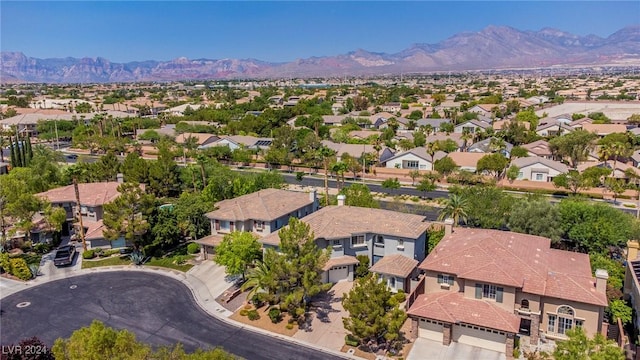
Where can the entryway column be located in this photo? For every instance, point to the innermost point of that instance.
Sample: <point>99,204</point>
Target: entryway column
<point>509,346</point>
<point>534,333</point>
<point>446,334</point>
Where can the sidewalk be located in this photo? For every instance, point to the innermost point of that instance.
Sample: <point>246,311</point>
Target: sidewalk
<point>206,281</point>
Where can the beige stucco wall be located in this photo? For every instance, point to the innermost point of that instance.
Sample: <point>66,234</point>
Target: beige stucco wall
<point>431,283</point>
<point>591,314</point>
<point>508,297</point>
<point>534,301</point>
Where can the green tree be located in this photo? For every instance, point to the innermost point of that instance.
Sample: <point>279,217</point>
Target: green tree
<point>374,313</point>
<point>488,207</point>
<point>493,163</point>
<point>165,231</point>
<point>618,309</point>
<point>163,173</point>
<point>574,145</point>
<point>135,169</point>
<point>455,208</point>
<point>261,280</point>
<point>414,174</point>
<point>299,268</point>
<point>614,268</point>
<point>512,172</point>
<point>362,269</point>
<point>391,184</point>
<point>428,182</point>
<point>190,210</point>
<point>127,216</point>
<point>325,154</point>
<point>54,216</point>
<point>535,215</point>
<point>359,195</point>
<point>579,347</point>
<point>518,152</point>
<point>237,251</point>
<point>575,181</point>
<point>419,139</point>
<point>445,166</point>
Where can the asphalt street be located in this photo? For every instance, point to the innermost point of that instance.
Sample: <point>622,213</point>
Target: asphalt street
<point>159,310</point>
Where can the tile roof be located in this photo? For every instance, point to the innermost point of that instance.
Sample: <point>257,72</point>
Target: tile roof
<point>265,205</point>
<point>210,240</point>
<point>466,159</point>
<point>539,148</point>
<point>453,307</point>
<point>396,265</point>
<point>340,261</point>
<point>518,260</point>
<point>457,137</point>
<point>422,153</point>
<point>605,129</point>
<point>91,194</point>
<point>95,230</point>
<point>339,222</point>
<point>200,138</point>
<point>533,160</point>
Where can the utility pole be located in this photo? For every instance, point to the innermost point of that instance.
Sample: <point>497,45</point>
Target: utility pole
<point>55,123</point>
<point>75,187</point>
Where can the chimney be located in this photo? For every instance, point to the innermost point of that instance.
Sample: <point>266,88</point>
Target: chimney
<point>120,178</point>
<point>313,197</point>
<point>448,226</point>
<point>632,250</point>
<point>601,280</point>
<point>341,200</point>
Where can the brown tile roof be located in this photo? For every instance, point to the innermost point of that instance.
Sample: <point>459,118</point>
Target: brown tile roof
<point>466,159</point>
<point>91,194</point>
<point>265,205</point>
<point>95,229</point>
<point>605,129</point>
<point>339,222</point>
<point>396,265</point>
<point>518,260</point>
<point>200,138</point>
<point>453,307</point>
<point>539,148</point>
<point>340,261</point>
<point>210,240</point>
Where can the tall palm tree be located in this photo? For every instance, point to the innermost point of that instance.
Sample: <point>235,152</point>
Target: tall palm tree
<point>456,209</point>
<point>326,154</point>
<point>260,280</point>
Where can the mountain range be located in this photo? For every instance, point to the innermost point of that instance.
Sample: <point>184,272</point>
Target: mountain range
<point>495,47</point>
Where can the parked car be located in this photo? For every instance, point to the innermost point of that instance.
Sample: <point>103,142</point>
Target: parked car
<point>64,255</point>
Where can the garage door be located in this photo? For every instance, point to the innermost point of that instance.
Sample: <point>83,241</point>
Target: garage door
<point>430,329</point>
<point>338,273</point>
<point>480,337</point>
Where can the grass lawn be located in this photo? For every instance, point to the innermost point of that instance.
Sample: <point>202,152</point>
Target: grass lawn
<point>169,262</point>
<point>112,261</point>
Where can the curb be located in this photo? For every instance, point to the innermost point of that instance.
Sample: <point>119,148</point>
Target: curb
<point>188,280</point>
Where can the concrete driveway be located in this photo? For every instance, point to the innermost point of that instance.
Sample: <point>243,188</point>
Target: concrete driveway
<point>326,328</point>
<point>434,350</point>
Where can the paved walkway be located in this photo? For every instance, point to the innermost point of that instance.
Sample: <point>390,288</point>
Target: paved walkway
<point>206,281</point>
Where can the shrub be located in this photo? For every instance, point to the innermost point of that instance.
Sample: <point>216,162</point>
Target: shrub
<point>111,252</point>
<point>35,269</point>
<point>400,296</point>
<point>26,246</point>
<point>351,340</point>
<point>289,326</point>
<point>5,264</point>
<point>41,248</point>
<point>275,315</point>
<point>244,312</point>
<point>20,269</point>
<point>248,307</point>
<point>99,252</point>
<point>180,259</point>
<point>193,248</point>
<point>253,315</point>
<point>89,254</point>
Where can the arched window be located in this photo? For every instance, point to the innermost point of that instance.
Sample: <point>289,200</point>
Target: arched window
<point>566,310</point>
<point>563,320</point>
<point>524,304</point>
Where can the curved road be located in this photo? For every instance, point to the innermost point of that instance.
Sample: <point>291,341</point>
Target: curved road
<point>158,309</point>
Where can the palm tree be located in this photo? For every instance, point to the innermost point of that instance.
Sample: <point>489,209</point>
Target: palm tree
<point>466,136</point>
<point>260,280</point>
<point>325,154</point>
<point>339,168</point>
<point>456,209</point>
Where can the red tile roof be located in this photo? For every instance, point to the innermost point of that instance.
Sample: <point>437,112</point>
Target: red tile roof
<point>453,307</point>
<point>396,265</point>
<point>340,261</point>
<point>91,194</point>
<point>518,260</point>
<point>266,204</point>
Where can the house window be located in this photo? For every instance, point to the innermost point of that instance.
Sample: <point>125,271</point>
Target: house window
<point>412,164</point>
<point>444,279</point>
<point>520,175</point>
<point>336,244</point>
<point>563,320</point>
<point>357,240</point>
<point>259,225</point>
<point>378,241</point>
<point>400,244</point>
<point>489,291</point>
<point>538,177</point>
<point>392,282</point>
<point>524,304</point>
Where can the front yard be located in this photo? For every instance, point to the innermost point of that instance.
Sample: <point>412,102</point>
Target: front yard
<point>178,262</point>
<point>264,322</point>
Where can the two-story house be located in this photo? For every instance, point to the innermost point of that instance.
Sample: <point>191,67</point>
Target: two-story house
<point>485,287</point>
<point>93,196</point>
<point>261,213</point>
<point>394,242</point>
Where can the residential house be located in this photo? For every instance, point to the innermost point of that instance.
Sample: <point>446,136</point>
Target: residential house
<point>434,123</point>
<point>333,120</point>
<point>392,107</point>
<point>535,168</point>
<point>635,158</point>
<point>93,196</point>
<point>180,109</point>
<point>632,274</point>
<point>380,118</point>
<point>414,159</point>
<point>484,287</point>
<point>486,146</point>
<point>539,148</point>
<point>351,231</point>
<point>261,213</point>
<point>200,139</point>
<point>166,130</point>
<point>357,150</point>
<point>483,109</point>
<point>471,126</point>
<point>578,123</point>
<point>466,161</point>
<point>363,134</point>
<point>618,172</point>
<point>538,100</point>
<point>240,141</point>
<point>603,130</point>
<point>503,124</point>
<point>553,128</point>
<point>456,137</point>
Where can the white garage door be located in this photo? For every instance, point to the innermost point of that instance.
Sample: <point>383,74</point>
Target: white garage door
<point>338,273</point>
<point>480,337</point>
<point>430,329</point>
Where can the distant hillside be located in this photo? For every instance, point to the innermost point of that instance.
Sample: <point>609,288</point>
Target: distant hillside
<point>495,47</point>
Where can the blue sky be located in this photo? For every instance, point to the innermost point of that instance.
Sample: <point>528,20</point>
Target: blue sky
<point>278,31</point>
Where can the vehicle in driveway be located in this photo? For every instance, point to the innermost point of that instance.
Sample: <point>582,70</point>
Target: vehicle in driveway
<point>64,255</point>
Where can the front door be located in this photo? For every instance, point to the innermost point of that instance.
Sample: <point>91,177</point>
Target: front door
<point>525,326</point>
